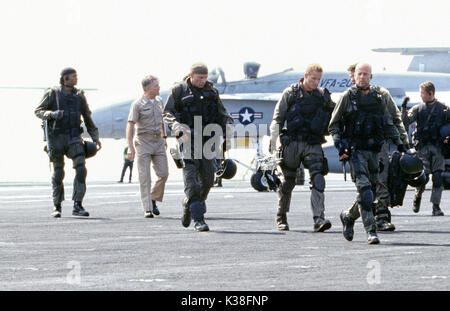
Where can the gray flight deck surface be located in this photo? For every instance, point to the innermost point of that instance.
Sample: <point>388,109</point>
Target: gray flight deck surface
<point>118,249</point>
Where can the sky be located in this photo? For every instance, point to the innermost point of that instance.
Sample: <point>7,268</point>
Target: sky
<point>113,44</point>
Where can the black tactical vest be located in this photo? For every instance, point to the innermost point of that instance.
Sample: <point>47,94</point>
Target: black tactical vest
<point>70,123</point>
<point>428,126</point>
<point>307,118</point>
<point>364,127</point>
<point>192,101</point>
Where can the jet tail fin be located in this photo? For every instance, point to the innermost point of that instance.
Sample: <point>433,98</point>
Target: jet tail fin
<point>425,59</point>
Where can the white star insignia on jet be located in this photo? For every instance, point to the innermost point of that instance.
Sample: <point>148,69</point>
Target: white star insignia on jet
<point>246,116</point>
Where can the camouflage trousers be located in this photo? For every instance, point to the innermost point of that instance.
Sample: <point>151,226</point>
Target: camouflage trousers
<point>73,148</point>
<point>382,202</point>
<point>311,156</point>
<point>364,168</point>
<point>434,163</point>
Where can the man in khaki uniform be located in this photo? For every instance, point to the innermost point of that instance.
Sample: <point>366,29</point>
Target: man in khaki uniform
<point>430,116</point>
<point>306,109</point>
<point>360,124</point>
<point>149,144</point>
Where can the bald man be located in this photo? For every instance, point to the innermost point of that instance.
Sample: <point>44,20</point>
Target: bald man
<point>382,213</point>
<point>360,124</point>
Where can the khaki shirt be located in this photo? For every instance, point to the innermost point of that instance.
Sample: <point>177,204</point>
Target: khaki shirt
<point>148,119</point>
<point>344,107</point>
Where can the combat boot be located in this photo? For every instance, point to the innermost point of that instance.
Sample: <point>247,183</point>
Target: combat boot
<point>437,210</point>
<point>347,224</point>
<point>78,210</point>
<point>201,226</point>
<point>416,204</point>
<point>322,225</point>
<point>384,225</point>
<point>155,208</point>
<point>282,222</point>
<point>372,238</point>
<point>186,218</point>
<point>57,211</point>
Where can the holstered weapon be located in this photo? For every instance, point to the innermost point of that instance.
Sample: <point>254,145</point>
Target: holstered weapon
<point>344,169</point>
<point>345,144</point>
<point>48,147</point>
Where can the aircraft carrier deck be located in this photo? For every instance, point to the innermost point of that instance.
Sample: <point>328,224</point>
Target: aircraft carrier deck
<point>116,248</point>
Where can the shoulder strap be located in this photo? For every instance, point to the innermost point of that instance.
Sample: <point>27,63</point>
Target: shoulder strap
<point>55,90</point>
<point>353,93</point>
<point>295,93</point>
<point>431,113</point>
<point>177,91</point>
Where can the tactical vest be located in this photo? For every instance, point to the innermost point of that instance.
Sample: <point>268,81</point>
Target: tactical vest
<point>70,123</point>
<point>364,127</point>
<point>191,102</point>
<point>307,118</point>
<point>428,126</point>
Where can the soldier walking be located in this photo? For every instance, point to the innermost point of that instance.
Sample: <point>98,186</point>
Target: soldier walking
<point>360,124</point>
<point>196,100</point>
<point>306,109</point>
<point>382,196</point>
<point>61,108</point>
<point>430,116</point>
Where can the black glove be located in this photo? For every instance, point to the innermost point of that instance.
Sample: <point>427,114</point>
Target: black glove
<point>405,102</point>
<point>342,148</point>
<point>56,115</point>
<point>402,148</point>
<point>98,143</point>
<point>447,140</point>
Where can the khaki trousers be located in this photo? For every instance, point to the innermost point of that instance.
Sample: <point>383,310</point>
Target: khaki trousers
<point>158,160</point>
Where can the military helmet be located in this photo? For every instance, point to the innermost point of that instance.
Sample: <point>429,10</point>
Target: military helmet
<point>445,130</point>
<point>227,169</point>
<point>417,180</point>
<point>410,163</point>
<point>90,149</point>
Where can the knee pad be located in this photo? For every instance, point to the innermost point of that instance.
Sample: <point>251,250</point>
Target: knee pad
<point>314,165</point>
<point>318,182</point>
<point>437,179</point>
<point>366,197</point>
<point>197,210</point>
<point>81,173</point>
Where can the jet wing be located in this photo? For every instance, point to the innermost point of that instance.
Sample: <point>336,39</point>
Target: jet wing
<point>414,51</point>
<point>251,96</point>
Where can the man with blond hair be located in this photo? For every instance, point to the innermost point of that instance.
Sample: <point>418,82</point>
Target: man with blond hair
<point>306,109</point>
